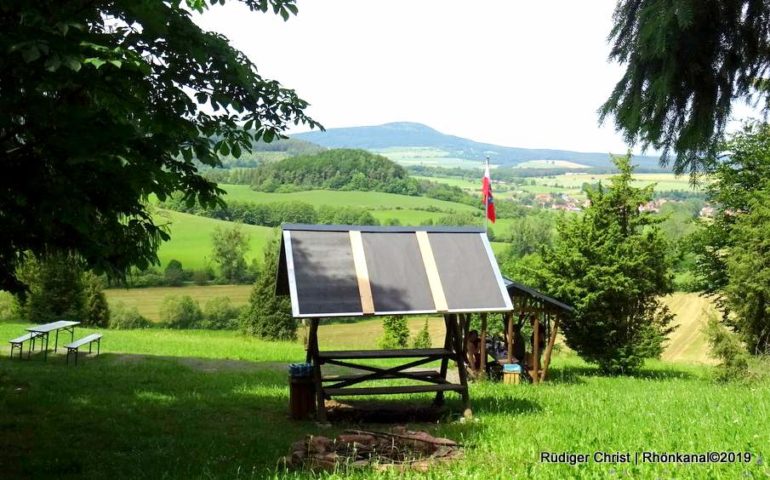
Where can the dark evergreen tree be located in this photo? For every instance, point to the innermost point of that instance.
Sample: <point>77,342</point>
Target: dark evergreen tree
<point>267,315</point>
<point>686,61</point>
<point>96,308</point>
<point>732,248</point>
<point>612,264</point>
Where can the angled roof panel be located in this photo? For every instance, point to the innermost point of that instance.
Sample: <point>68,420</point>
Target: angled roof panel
<point>324,273</point>
<point>397,285</point>
<point>467,272</point>
<point>341,270</point>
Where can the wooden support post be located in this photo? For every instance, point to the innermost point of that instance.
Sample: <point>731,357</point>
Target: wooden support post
<point>536,349</point>
<point>509,345</point>
<point>317,378</point>
<point>549,348</point>
<point>483,349</point>
<point>460,360</point>
<point>448,345</point>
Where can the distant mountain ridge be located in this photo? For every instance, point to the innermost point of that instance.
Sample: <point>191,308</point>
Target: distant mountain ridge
<point>408,134</point>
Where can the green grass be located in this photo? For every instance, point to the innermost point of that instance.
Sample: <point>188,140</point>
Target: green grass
<point>191,239</point>
<point>189,404</point>
<point>371,200</point>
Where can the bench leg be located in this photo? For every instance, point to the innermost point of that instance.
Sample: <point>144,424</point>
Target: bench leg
<point>98,346</point>
<point>56,342</point>
<point>90,346</point>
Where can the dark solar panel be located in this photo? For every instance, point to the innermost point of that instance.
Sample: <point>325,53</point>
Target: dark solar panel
<point>466,273</point>
<point>396,273</point>
<point>325,273</point>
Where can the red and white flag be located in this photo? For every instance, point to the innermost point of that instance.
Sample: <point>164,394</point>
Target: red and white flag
<point>486,192</point>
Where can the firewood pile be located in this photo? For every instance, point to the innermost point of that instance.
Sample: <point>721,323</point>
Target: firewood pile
<point>399,449</point>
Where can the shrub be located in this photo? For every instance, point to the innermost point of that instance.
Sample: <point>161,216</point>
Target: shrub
<point>97,312</point>
<point>220,314</point>
<point>180,312</point>
<point>201,277</point>
<point>56,288</point>
<point>9,308</point>
<point>396,332</point>
<point>726,347</point>
<point>124,318</point>
<point>146,278</point>
<point>422,339</point>
<point>174,274</point>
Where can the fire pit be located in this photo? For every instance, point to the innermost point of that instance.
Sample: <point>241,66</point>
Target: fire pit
<point>398,449</point>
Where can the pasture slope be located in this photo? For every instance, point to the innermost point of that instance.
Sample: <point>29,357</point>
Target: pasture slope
<point>687,343</point>
<point>191,241</point>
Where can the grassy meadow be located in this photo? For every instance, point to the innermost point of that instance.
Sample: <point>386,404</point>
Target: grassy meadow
<point>191,241</point>
<point>199,404</point>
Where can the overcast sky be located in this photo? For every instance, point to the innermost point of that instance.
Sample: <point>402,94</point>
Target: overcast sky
<point>509,72</point>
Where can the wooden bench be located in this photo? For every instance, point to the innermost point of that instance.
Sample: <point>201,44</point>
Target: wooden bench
<point>90,339</point>
<point>19,343</point>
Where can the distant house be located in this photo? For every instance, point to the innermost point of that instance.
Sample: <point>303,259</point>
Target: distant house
<point>707,212</point>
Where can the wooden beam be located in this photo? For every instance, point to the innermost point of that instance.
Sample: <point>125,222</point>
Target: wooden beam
<point>549,348</point>
<point>452,325</point>
<point>483,349</point>
<point>429,261</point>
<point>509,344</point>
<point>362,272</point>
<point>536,350</point>
<point>448,345</point>
<point>317,376</point>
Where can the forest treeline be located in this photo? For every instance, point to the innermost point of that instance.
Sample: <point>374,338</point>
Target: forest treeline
<point>338,169</point>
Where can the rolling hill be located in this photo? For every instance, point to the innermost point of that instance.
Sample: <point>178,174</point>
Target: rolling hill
<point>395,140</point>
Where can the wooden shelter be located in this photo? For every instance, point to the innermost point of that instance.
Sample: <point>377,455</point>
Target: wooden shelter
<point>347,271</point>
<point>544,312</point>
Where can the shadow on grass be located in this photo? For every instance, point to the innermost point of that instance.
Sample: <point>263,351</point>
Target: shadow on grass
<point>572,374</point>
<point>119,416</point>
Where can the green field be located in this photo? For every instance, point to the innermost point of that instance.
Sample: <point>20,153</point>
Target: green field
<point>148,300</point>
<point>191,239</point>
<point>571,183</point>
<point>371,200</point>
<point>199,404</point>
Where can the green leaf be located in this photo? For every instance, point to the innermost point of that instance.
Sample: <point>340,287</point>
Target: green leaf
<point>30,54</point>
<point>117,63</point>
<point>95,61</point>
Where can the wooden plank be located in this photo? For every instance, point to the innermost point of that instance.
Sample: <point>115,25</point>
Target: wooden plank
<point>375,354</point>
<point>356,376</point>
<point>362,272</point>
<point>429,261</point>
<point>391,390</point>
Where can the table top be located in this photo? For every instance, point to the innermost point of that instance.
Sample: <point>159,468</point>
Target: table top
<point>49,327</point>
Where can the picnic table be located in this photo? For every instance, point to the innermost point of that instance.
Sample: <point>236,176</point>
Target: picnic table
<point>45,329</point>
